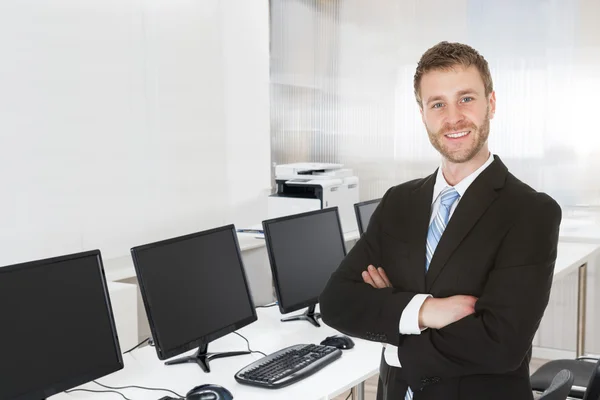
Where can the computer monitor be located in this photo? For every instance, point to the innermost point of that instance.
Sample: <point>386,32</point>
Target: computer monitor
<point>363,211</point>
<point>304,250</point>
<point>57,329</point>
<point>195,290</point>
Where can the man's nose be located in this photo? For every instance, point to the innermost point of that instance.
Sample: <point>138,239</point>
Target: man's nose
<point>453,115</point>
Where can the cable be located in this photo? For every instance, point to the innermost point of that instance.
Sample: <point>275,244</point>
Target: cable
<point>97,391</point>
<point>349,394</point>
<point>138,387</point>
<point>137,345</point>
<point>251,351</point>
<point>267,305</point>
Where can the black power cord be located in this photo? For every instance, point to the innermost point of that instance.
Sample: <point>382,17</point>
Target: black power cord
<point>251,351</point>
<point>349,394</point>
<point>155,389</point>
<point>139,387</point>
<point>98,391</point>
<point>137,345</point>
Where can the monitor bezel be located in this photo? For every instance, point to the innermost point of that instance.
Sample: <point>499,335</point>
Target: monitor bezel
<point>285,308</point>
<point>162,352</point>
<point>61,386</point>
<point>357,206</point>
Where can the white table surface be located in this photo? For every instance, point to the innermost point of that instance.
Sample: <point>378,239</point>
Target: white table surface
<point>268,334</point>
<point>586,230</point>
<point>572,255</point>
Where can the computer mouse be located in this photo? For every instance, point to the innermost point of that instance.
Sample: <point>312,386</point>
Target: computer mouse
<point>338,341</point>
<point>209,392</point>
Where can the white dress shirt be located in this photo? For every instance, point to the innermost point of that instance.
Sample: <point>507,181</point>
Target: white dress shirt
<point>409,320</point>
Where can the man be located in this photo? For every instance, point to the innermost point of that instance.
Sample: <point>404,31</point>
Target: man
<point>453,273</point>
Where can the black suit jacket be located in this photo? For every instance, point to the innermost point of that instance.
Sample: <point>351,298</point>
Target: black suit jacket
<point>500,246</point>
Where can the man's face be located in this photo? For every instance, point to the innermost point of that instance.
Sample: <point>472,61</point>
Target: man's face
<point>456,112</point>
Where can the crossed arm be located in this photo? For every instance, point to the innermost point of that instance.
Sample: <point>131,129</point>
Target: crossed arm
<point>435,313</point>
<point>467,336</point>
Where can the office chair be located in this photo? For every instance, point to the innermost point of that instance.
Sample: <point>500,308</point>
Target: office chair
<point>586,372</point>
<point>559,387</point>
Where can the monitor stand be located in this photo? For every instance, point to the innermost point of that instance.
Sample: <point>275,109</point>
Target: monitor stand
<point>310,315</point>
<point>202,357</point>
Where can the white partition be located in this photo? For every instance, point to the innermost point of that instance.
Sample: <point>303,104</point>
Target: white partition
<point>123,298</point>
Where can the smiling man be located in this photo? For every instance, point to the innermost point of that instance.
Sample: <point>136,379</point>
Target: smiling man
<point>453,273</point>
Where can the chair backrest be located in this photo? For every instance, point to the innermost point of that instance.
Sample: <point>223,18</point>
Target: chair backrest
<point>560,387</point>
<point>593,388</point>
<point>363,211</point>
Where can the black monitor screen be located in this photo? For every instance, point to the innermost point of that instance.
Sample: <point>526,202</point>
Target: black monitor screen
<point>194,289</point>
<point>364,211</point>
<point>304,250</point>
<point>57,328</point>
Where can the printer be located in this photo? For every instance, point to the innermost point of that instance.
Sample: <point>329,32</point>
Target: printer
<point>303,187</point>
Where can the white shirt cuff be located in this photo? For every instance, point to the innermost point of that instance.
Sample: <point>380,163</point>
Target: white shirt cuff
<point>391,356</point>
<point>409,325</point>
<point>409,320</point>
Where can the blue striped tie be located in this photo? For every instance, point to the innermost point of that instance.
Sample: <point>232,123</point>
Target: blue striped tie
<point>448,197</point>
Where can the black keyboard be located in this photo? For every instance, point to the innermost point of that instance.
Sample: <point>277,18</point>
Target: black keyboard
<point>287,366</point>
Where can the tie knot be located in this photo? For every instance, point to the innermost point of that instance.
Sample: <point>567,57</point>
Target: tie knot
<point>449,196</point>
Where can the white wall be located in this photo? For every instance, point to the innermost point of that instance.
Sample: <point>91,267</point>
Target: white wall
<point>245,43</point>
<point>125,121</point>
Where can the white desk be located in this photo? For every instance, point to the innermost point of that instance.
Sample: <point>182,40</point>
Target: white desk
<point>582,230</point>
<point>574,256</point>
<point>268,334</point>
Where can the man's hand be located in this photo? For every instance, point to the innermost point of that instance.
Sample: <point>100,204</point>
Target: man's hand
<point>376,277</point>
<point>434,313</point>
<point>438,313</point>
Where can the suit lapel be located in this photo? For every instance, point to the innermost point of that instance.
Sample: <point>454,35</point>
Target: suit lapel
<point>476,200</point>
<point>420,210</point>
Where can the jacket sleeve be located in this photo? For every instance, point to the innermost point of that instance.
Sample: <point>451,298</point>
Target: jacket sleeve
<point>496,338</point>
<point>354,307</point>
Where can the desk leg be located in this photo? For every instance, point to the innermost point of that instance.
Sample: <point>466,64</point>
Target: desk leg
<point>358,393</point>
<point>581,300</point>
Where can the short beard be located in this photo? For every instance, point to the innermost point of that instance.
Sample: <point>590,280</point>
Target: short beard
<point>482,132</point>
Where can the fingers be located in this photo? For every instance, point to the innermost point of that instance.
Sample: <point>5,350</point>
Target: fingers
<point>367,279</point>
<point>470,302</point>
<point>376,277</point>
<point>464,299</point>
<point>384,277</point>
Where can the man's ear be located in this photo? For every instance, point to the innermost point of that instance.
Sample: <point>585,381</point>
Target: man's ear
<point>492,104</point>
